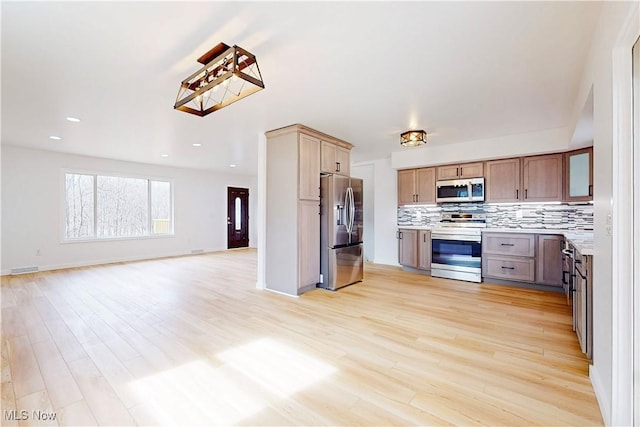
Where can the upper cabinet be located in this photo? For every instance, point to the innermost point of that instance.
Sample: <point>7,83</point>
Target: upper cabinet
<point>502,181</point>
<point>578,175</point>
<point>542,178</point>
<point>308,167</point>
<point>335,159</point>
<point>465,170</point>
<point>417,186</point>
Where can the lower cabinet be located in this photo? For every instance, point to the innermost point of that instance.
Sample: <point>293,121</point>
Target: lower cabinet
<point>549,257</point>
<point>408,247</point>
<point>424,250</point>
<point>509,268</point>
<point>523,257</point>
<point>414,248</point>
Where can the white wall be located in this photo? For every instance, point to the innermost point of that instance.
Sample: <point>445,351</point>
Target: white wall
<point>385,212</point>
<point>32,211</point>
<point>525,144</point>
<point>598,74</point>
<point>367,173</point>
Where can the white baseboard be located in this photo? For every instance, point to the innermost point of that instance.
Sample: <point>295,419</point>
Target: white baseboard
<point>6,272</point>
<point>281,293</point>
<point>601,395</point>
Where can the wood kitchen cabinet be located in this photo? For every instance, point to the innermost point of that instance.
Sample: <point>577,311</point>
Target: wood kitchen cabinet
<point>407,247</point>
<point>502,181</point>
<point>416,186</point>
<point>542,178</point>
<point>335,159</point>
<point>309,168</point>
<point>464,170</point>
<point>578,175</point>
<point>292,229</point>
<point>549,260</point>
<point>509,256</point>
<point>424,249</point>
<point>414,248</point>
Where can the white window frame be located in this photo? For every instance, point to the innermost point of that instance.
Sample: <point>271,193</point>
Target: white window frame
<point>95,174</point>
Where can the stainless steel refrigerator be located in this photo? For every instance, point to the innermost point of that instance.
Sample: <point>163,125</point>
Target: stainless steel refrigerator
<point>340,231</point>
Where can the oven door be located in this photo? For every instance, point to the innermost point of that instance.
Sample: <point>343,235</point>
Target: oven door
<point>456,252</point>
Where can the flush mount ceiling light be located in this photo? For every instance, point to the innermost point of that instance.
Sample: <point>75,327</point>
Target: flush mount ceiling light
<point>413,138</point>
<point>228,75</point>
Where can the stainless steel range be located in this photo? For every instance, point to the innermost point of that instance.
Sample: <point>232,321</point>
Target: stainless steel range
<point>456,246</point>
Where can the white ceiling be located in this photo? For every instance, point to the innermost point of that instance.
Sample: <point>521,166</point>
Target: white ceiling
<point>360,71</point>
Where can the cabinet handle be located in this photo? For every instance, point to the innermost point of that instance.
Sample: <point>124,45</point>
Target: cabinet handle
<point>457,174</point>
<point>526,193</point>
<point>590,190</point>
<point>416,197</point>
<point>424,238</point>
<point>400,235</point>
<point>337,166</point>
<point>517,191</point>
<point>508,268</point>
<point>506,244</point>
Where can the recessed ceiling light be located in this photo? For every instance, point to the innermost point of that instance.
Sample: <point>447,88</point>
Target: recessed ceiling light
<point>164,155</point>
<point>232,166</point>
<point>73,119</point>
<point>197,145</point>
<point>55,138</point>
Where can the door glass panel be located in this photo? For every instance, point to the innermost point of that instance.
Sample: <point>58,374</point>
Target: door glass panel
<point>238,214</point>
<point>579,175</point>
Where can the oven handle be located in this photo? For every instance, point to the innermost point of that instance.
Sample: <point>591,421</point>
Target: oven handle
<point>435,236</point>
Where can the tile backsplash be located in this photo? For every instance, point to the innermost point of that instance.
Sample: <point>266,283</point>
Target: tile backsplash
<point>516,215</point>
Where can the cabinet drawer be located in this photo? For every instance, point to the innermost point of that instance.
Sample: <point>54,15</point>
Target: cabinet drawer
<point>521,269</point>
<point>509,244</point>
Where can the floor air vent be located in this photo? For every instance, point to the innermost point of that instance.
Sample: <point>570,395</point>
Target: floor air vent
<point>23,270</point>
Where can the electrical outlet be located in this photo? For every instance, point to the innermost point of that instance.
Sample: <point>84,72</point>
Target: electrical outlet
<point>609,219</point>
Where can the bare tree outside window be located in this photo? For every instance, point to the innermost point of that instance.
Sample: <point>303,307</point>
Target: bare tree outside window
<point>98,206</point>
<point>123,207</point>
<point>79,206</point>
<point>161,207</point>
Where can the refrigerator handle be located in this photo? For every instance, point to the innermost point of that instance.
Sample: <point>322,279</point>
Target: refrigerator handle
<point>347,208</point>
<point>352,210</point>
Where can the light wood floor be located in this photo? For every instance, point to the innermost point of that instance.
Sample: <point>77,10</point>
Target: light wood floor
<point>190,341</point>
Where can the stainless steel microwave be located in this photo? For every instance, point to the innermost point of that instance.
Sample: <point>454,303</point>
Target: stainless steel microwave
<point>460,190</point>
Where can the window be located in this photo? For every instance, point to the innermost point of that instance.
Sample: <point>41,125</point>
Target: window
<point>101,206</point>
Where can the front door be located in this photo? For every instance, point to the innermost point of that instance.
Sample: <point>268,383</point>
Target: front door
<point>237,217</point>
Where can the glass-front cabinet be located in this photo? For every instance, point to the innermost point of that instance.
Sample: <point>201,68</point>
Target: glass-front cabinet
<point>579,175</point>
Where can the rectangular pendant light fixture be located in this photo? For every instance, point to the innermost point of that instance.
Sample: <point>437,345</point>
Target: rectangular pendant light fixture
<point>228,75</point>
<point>413,138</point>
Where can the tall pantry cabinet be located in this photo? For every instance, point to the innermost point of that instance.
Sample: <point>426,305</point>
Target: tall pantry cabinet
<point>292,246</point>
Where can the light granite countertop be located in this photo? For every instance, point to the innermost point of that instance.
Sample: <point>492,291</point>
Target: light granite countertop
<point>581,240</point>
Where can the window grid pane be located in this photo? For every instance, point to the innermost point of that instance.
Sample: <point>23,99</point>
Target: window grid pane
<point>98,206</point>
<point>160,207</point>
<point>79,210</point>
